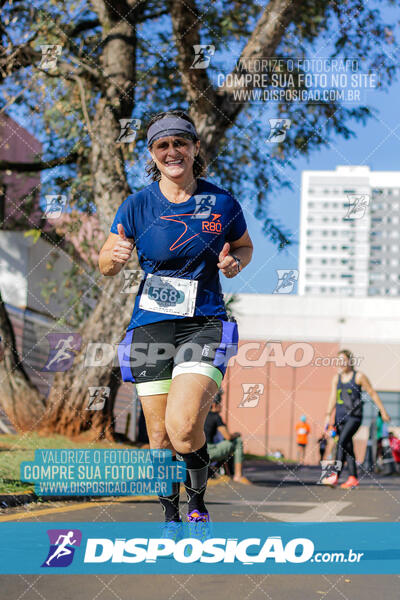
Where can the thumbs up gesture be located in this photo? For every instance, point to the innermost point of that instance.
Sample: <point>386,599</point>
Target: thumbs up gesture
<point>227,264</point>
<point>123,247</point>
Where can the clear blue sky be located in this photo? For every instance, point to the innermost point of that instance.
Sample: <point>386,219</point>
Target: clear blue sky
<point>376,145</point>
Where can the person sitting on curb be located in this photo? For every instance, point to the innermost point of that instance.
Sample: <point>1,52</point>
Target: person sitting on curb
<point>232,444</point>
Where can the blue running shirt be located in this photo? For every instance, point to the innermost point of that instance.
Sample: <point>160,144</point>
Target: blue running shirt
<point>181,240</point>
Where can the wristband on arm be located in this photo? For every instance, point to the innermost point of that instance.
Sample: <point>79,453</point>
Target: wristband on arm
<point>238,262</point>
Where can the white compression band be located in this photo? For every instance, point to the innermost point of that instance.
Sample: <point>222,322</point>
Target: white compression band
<point>187,368</point>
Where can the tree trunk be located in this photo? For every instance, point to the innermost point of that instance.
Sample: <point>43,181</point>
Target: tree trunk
<point>69,395</point>
<point>19,398</point>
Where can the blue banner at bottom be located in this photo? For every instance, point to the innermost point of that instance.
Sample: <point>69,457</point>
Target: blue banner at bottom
<point>141,548</point>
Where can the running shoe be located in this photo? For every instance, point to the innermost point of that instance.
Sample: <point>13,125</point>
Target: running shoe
<point>173,530</point>
<point>199,527</point>
<point>331,480</point>
<point>352,482</point>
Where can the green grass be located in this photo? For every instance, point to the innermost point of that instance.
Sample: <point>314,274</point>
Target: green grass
<point>17,448</point>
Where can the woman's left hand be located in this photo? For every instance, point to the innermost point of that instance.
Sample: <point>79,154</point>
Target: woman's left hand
<point>227,264</point>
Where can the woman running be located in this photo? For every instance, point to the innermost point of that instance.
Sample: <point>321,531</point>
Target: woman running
<point>186,231</point>
<point>345,398</point>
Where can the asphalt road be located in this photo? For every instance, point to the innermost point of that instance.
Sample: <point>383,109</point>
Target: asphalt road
<point>277,494</point>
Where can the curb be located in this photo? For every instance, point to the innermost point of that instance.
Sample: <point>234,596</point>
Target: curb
<point>12,500</point>
<point>17,499</point>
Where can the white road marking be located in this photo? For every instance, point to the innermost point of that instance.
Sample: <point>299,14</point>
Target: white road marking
<point>317,512</point>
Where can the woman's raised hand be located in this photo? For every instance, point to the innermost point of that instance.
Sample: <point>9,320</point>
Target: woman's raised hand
<point>123,247</point>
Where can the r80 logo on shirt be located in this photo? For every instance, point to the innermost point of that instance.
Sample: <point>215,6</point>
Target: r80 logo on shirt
<point>213,226</point>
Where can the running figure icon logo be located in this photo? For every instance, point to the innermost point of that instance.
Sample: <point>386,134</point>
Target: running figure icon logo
<point>62,547</point>
<point>358,204</point>
<point>50,53</point>
<point>63,348</point>
<point>55,205</point>
<point>204,205</point>
<point>329,467</point>
<point>278,131</point>
<point>98,397</point>
<point>132,279</point>
<point>203,54</point>
<point>251,394</point>
<point>286,280</point>
<point>129,129</point>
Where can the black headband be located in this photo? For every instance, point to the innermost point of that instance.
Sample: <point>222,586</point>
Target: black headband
<point>170,126</point>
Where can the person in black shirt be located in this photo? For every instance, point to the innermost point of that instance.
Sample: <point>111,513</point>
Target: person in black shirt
<point>346,401</point>
<point>232,443</point>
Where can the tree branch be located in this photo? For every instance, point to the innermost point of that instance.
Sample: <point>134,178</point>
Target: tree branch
<point>34,167</point>
<point>21,56</point>
<point>83,26</point>
<point>212,110</point>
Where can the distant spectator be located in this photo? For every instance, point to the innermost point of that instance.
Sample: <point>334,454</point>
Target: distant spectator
<point>322,442</point>
<point>302,432</point>
<point>231,443</point>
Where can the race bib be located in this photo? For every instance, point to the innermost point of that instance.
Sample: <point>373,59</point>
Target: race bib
<point>170,295</point>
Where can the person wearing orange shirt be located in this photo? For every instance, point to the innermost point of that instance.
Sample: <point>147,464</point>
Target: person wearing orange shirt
<point>302,432</point>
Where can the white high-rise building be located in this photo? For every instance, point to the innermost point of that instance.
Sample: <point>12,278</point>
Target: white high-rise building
<point>349,232</point>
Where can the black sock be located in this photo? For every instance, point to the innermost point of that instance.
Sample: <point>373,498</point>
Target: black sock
<point>196,479</point>
<point>170,504</point>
